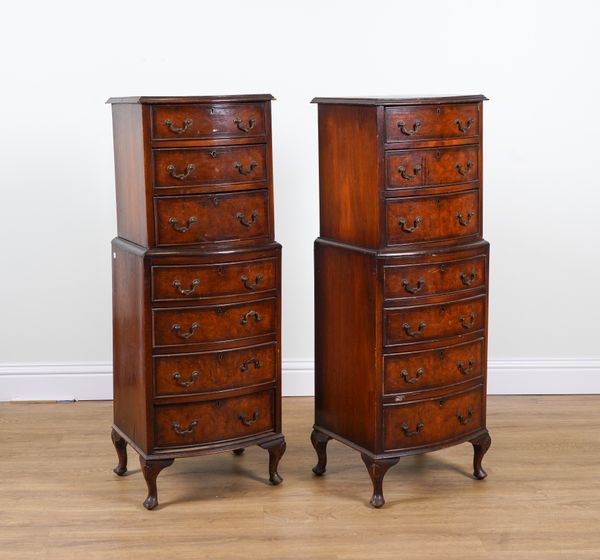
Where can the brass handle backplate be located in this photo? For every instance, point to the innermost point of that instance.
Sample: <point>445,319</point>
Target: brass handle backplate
<point>181,383</point>
<point>461,127</point>
<point>253,361</point>
<point>464,420</point>
<point>249,421</point>
<point>257,317</point>
<point>404,427</point>
<point>413,289</point>
<point>177,130</point>
<point>251,285</point>
<point>466,370</point>
<point>172,170</point>
<point>183,291</point>
<point>408,176</point>
<point>177,428</point>
<point>176,328</point>
<point>464,170</point>
<point>247,223</point>
<point>468,279</point>
<point>464,221</point>
<point>409,229</point>
<point>183,229</point>
<point>408,131</point>
<point>406,376</point>
<point>409,332</point>
<point>240,125</point>
<point>471,323</point>
<point>240,167</point>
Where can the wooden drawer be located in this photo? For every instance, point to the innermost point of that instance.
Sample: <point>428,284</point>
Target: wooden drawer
<point>431,421</point>
<point>404,124</point>
<point>194,325</point>
<point>407,325</point>
<point>403,281</point>
<point>231,217</point>
<point>198,167</point>
<point>416,371</point>
<point>205,121</point>
<point>439,166</point>
<point>430,218</point>
<point>206,372</point>
<point>186,282</point>
<point>211,421</point>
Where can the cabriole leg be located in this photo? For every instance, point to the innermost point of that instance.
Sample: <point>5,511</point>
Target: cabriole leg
<point>276,449</point>
<point>319,441</point>
<point>121,448</point>
<point>377,470</point>
<point>480,446</point>
<point>151,469</point>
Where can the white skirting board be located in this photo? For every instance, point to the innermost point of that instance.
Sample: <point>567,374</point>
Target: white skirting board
<point>93,381</point>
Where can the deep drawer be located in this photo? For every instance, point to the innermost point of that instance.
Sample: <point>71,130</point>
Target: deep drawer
<point>407,325</point>
<point>416,371</point>
<point>430,218</point>
<point>211,421</point>
<point>206,372</point>
<point>432,421</point>
<point>214,218</point>
<point>205,121</point>
<point>194,325</point>
<point>404,124</point>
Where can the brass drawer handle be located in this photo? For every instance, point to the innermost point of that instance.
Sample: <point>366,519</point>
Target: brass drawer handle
<point>247,223</point>
<point>414,289</point>
<point>181,176</point>
<point>240,167</point>
<point>407,176</point>
<point>176,328</point>
<point>408,433</point>
<point>408,131</point>
<point>409,229</point>
<point>462,221</point>
<point>183,291</point>
<point>405,375</point>
<point>251,123</point>
<point>471,323</point>
<point>420,329</point>
<point>251,285</point>
<point>251,313</point>
<point>186,124</point>
<point>466,169</point>
<point>178,380</point>
<point>468,280</point>
<point>177,428</point>
<point>461,127</point>
<point>464,420</point>
<point>249,421</point>
<point>466,370</point>
<point>183,229</point>
<point>256,363</point>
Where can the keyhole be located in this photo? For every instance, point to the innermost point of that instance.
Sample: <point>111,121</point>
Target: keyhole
<point>212,110</point>
<point>442,402</point>
<point>443,268</point>
<point>438,154</point>
<point>441,355</point>
<point>215,201</point>
<point>220,271</point>
<point>213,154</point>
<point>438,110</point>
<point>217,403</point>
<point>220,355</point>
<point>219,311</point>
<point>443,309</point>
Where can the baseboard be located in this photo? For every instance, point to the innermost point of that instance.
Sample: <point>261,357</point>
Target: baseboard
<point>93,381</point>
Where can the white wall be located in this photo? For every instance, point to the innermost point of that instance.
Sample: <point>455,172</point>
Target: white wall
<point>536,61</point>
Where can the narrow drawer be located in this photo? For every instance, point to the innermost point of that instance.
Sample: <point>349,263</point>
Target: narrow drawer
<point>206,372</point>
<point>404,124</point>
<point>432,421</point>
<point>407,325</point>
<point>231,217</point>
<point>199,167</point>
<point>204,121</point>
<point>194,325</point>
<point>430,218</point>
<point>424,168</point>
<point>403,281</point>
<point>416,371</point>
<point>185,282</point>
<point>211,421</point>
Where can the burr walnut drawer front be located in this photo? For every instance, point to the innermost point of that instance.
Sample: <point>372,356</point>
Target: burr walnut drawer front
<point>416,371</point>
<point>403,281</point>
<point>192,282</point>
<point>438,166</point>
<point>200,167</point>
<point>432,421</point>
<point>205,121</point>
<point>430,218</point>
<point>232,217</point>
<point>431,121</point>
<point>205,372</point>
<point>211,421</point>
<point>194,325</point>
<point>407,325</point>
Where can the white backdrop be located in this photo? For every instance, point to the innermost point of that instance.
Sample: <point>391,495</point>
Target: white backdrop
<point>536,61</point>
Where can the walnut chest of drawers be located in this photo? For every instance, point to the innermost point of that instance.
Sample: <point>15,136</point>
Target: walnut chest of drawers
<point>196,282</point>
<point>401,277</point>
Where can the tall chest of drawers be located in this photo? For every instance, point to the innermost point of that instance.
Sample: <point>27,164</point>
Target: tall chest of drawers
<point>196,282</point>
<point>401,280</point>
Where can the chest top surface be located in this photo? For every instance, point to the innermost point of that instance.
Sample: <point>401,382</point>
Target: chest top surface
<point>400,100</point>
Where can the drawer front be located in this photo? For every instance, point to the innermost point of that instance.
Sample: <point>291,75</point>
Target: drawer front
<point>183,282</point>
<point>433,278</point>
<point>211,421</point>
<point>416,371</point>
<point>194,325</point>
<point>214,371</point>
<point>172,122</point>
<point>440,166</point>
<point>430,218</point>
<point>432,421</point>
<point>408,325</point>
<point>404,124</point>
<point>197,167</point>
<point>212,218</point>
